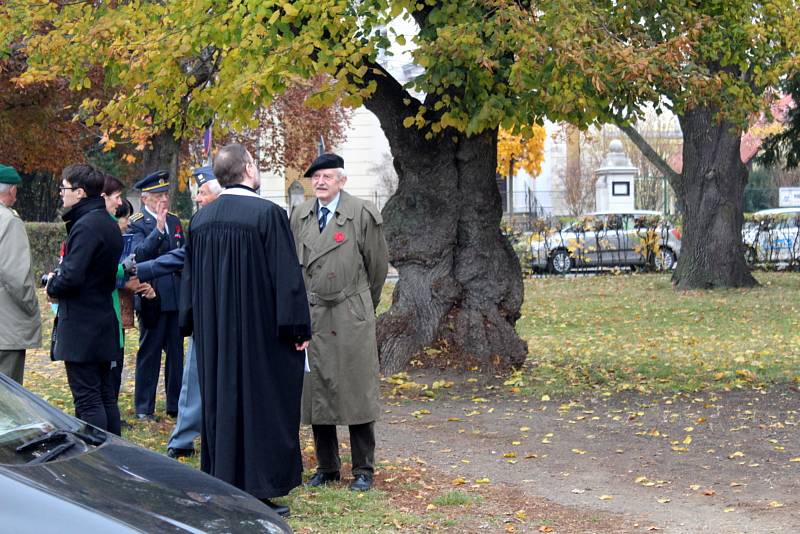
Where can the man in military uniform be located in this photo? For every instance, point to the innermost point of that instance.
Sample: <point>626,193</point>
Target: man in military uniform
<point>20,326</point>
<point>343,253</point>
<point>155,233</point>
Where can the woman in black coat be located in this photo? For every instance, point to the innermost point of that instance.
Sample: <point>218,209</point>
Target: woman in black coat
<point>86,334</point>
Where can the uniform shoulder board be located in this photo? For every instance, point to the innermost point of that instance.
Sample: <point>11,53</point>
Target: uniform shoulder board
<point>373,210</point>
<point>136,216</point>
<point>173,214</point>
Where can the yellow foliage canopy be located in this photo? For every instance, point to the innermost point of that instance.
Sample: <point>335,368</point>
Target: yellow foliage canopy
<point>520,152</point>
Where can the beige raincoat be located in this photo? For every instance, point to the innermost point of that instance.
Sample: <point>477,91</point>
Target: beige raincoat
<point>344,269</point>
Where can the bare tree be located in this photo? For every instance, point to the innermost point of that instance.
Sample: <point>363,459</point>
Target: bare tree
<point>576,178</point>
<point>386,176</point>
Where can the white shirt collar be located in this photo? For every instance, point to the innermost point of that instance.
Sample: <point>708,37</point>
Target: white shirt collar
<point>241,192</point>
<point>332,204</point>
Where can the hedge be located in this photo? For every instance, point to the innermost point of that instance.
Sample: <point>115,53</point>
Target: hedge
<point>45,239</point>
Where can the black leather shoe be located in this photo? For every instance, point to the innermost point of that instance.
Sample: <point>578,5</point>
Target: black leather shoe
<point>322,479</point>
<point>175,452</point>
<point>146,417</point>
<point>172,414</point>
<point>279,509</point>
<point>361,482</point>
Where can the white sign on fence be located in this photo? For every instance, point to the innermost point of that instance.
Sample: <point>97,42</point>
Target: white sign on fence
<point>789,197</point>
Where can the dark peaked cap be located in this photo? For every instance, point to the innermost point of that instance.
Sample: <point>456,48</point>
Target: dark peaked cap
<point>325,161</point>
<point>203,174</point>
<point>153,183</point>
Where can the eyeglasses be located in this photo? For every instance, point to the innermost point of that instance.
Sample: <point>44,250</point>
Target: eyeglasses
<point>63,188</point>
<point>324,177</point>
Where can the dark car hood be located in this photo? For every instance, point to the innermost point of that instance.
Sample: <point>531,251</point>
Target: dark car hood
<point>138,489</point>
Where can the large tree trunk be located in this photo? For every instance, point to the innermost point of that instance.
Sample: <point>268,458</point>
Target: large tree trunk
<point>711,189</point>
<point>162,155</point>
<point>460,286</point>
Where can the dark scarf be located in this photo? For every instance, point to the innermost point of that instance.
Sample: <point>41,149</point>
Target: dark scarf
<point>84,206</point>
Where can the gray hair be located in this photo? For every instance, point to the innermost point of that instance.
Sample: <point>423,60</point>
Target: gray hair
<point>6,187</point>
<point>214,187</point>
<point>340,173</point>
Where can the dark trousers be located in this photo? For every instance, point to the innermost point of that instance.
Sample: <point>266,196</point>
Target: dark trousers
<point>12,364</point>
<point>163,336</point>
<point>116,372</point>
<point>92,386</point>
<point>362,447</point>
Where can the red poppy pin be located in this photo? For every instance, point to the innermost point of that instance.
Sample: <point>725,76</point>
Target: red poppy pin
<point>338,237</point>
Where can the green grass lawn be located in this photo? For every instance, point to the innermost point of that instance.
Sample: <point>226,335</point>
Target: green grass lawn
<point>586,335</point>
<point>617,333</point>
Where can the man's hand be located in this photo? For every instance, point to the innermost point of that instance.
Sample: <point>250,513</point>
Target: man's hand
<point>50,299</point>
<point>301,346</point>
<point>133,284</point>
<point>146,291</point>
<point>161,216</point>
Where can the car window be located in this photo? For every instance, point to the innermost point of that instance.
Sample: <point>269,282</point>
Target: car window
<point>21,420</point>
<point>613,223</point>
<point>628,222</point>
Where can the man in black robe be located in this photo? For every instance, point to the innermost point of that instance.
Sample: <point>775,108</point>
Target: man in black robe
<point>244,297</point>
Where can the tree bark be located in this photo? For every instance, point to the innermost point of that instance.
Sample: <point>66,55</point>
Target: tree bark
<point>162,155</point>
<point>460,286</point>
<point>711,189</point>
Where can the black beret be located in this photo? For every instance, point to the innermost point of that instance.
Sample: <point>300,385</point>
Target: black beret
<point>325,161</point>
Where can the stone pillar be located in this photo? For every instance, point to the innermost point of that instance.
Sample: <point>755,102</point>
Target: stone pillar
<point>616,179</point>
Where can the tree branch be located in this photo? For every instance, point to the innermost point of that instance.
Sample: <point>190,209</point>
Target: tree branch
<point>388,102</point>
<point>650,153</point>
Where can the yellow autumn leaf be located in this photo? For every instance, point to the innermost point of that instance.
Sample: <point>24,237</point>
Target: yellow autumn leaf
<point>482,481</point>
<point>605,497</point>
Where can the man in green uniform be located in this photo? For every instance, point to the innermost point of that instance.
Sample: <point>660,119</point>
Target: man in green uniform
<point>20,325</point>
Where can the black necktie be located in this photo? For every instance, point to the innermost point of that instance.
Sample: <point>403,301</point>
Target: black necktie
<point>323,219</point>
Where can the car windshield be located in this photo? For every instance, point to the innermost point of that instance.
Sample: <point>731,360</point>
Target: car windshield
<point>21,421</point>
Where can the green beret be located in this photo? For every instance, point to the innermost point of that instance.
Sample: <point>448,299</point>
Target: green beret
<point>8,175</point>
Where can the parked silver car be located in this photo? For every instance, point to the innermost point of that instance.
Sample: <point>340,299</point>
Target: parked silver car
<point>772,236</point>
<point>607,239</point>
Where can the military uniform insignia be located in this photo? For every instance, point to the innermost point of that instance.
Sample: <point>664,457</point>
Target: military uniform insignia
<point>136,216</point>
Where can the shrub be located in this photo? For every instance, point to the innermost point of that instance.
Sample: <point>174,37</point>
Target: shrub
<point>45,239</point>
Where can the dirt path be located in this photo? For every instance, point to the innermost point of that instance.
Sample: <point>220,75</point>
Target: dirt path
<point>717,463</point>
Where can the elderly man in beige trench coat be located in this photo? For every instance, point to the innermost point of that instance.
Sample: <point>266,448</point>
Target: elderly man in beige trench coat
<point>344,257</point>
<point>20,324</point>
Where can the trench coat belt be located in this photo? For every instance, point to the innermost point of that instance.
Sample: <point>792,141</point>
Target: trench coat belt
<point>315,299</point>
